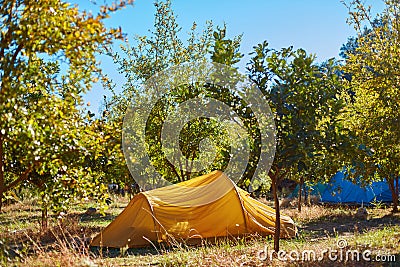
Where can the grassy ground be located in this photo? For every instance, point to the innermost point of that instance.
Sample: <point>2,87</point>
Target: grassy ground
<point>333,234</point>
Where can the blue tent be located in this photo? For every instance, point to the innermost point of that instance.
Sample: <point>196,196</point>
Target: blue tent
<point>339,190</point>
<point>315,190</point>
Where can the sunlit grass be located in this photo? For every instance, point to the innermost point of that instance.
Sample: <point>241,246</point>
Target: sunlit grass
<point>64,243</point>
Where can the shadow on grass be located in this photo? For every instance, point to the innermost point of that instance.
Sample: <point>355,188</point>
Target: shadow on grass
<point>346,224</point>
<point>22,220</point>
<point>124,252</point>
<point>182,245</point>
<point>96,217</point>
<point>36,218</point>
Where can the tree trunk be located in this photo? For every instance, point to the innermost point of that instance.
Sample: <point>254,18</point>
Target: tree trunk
<point>277,212</point>
<point>309,197</point>
<point>44,217</point>
<point>393,190</point>
<point>2,183</point>
<point>299,193</point>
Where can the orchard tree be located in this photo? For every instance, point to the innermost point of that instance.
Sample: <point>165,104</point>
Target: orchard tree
<point>332,141</point>
<point>108,160</point>
<point>164,49</point>
<point>350,47</point>
<point>48,59</point>
<point>303,99</point>
<point>372,110</point>
<point>147,56</point>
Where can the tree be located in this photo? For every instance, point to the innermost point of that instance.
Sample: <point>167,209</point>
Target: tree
<point>303,98</point>
<point>151,55</point>
<point>333,141</point>
<point>48,59</point>
<point>352,42</point>
<point>161,50</point>
<point>372,112</point>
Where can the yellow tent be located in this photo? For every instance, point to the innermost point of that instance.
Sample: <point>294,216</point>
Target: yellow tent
<point>208,206</point>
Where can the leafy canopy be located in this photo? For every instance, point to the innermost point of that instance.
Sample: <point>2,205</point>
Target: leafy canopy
<point>48,59</point>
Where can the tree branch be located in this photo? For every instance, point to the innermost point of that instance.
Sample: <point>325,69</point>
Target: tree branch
<point>22,177</point>
<point>8,34</point>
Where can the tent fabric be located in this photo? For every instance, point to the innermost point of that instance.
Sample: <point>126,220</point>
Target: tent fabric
<point>208,206</point>
<point>342,191</point>
<point>315,190</point>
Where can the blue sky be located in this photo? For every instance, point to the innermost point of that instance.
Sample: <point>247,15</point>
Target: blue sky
<point>318,26</point>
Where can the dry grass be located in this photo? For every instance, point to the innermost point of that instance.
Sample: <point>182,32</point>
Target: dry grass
<point>63,244</point>
<point>315,213</point>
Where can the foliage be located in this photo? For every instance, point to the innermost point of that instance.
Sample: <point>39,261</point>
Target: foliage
<point>48,59</point>
<point>372,112</point>
<point>139,62</point>
<point>152,54</point>
<point>161,50</point>
<point>350,47</point>
<point>303,98</point>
